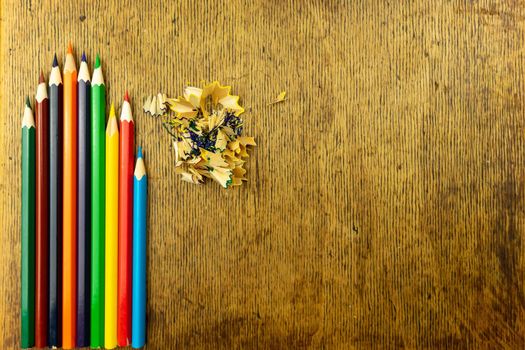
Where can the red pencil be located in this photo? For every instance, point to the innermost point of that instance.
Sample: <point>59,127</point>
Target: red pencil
<point>42,213</point>
<point>125,222</point>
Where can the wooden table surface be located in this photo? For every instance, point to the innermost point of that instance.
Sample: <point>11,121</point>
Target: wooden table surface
<point>384,207</point>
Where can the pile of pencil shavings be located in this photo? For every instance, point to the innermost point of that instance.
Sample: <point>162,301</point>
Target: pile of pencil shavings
<point>206,128</point>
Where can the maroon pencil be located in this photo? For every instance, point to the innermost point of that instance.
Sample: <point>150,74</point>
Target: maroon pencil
<point>42,213</point>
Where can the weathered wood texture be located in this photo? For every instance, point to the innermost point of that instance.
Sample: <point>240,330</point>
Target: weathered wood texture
<point>384,207</point>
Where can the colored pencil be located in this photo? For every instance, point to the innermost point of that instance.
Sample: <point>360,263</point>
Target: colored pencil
<point>27,296</point>
<point>84,205</point>
<point>112,155</point>
<point>125,223</point>
<point>98,175</point>
<point>69,203</point>
<point>42,213</point>
<point>55,206</point>
<point>140,202</point>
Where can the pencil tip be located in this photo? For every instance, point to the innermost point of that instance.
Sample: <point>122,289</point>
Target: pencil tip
<point>69,48</point>
<point>84,57</point>
<point>28,103</point>
<point>126,97</point>
<point>112,110</point>
<point>97,61</point>
<point>139,152</point>
<point>55,61</point>
<point>41,79</point>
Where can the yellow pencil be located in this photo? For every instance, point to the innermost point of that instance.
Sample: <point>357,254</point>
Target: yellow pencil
<point>112,154</point>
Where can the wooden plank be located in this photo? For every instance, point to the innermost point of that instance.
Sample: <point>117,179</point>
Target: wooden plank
<point>385,199</point>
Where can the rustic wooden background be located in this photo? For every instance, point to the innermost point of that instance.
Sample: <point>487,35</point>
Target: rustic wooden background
<point>384,207</point>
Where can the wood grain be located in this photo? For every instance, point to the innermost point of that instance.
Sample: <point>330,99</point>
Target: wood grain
<point>384,207</point>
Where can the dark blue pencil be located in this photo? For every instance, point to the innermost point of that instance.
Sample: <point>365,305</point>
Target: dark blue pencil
<point>55,207</point>
<point>84,205</point>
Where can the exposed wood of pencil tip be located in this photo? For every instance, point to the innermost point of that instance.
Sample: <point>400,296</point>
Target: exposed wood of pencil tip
<point>140,167</point>
<point>112,126</point>
<point>55,77</point>
<point>41,91</point>
<point>28,120</point>
<point>98,77</point>
<point>70,65</point>
<point>126,114</point>
<point>83,73</point>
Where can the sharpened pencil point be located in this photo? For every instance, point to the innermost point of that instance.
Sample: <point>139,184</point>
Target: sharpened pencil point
<point>97,61</point>
<point>41,79</point>
<point>126,97</point>
<point>69,48</point>
<point>112,126</point>
<point>84,57</point>
<point>28,103</point>
<point>55,61</point>
<point>140,168</point>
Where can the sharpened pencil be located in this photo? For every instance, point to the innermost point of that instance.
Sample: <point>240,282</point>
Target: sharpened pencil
<point>42,213</point>
<point>98,202</point>
<point>27,295</point>
<point>125,222</point>
<point>111,261</point>
<point>69,250</point>
<point>84,204</point>
<point>140,205</point>
<point>55,206</point>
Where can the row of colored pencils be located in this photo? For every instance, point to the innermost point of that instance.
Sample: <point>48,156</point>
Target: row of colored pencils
<point>83,261</point>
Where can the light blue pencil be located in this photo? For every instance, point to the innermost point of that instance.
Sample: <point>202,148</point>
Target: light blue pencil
<point>140,203</point>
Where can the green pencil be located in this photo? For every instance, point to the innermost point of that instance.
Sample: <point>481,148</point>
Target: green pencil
<point>98,173</point>
<point>28,229</point>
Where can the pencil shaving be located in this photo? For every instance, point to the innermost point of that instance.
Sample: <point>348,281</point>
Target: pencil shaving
<point>206,130</point>
<point>155,105</point>
<point>280,98</point>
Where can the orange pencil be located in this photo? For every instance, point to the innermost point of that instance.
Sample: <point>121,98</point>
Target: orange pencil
<point>69,193</point>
